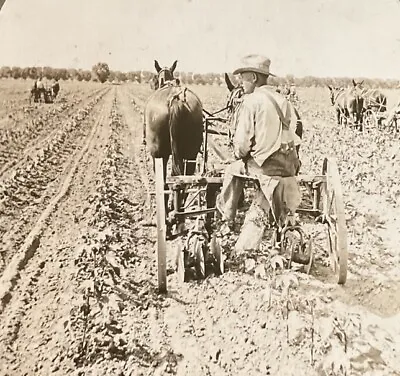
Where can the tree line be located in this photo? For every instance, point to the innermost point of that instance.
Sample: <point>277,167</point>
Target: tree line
<point>102,73</point>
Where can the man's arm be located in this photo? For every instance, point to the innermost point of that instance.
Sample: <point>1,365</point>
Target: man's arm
<point>244,134</point>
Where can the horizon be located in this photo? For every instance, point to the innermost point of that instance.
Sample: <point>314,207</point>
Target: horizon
<point>304,38</point>
<point>213,73</point>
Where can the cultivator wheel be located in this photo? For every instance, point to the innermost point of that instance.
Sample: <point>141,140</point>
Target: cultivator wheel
<point>334,217</point>
<point>198,253</point>
<point>199,259</point>
<point>294,244</point>
<point>370,120</point>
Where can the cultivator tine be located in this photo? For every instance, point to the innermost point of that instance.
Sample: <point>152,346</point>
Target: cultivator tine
<point>299,250</point>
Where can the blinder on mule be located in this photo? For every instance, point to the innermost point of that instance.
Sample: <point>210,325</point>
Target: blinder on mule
<point>164,75</point>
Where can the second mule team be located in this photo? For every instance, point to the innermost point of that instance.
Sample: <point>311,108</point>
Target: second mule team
<point>265,143</point>
<point>40,91</point>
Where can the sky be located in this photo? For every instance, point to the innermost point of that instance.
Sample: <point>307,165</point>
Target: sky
<point>335,38</point>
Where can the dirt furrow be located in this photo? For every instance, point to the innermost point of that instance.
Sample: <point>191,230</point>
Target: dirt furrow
<point>20,143</point>
<point>173,327</point>
<point>86,303</point>
<point>298,324</point>
<point>28,190</point>
<point>29,320</point>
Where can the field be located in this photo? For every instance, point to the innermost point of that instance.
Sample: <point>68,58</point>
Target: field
<point>78,272</point>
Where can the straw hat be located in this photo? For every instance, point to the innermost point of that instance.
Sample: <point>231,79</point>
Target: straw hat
<point>255,63</point>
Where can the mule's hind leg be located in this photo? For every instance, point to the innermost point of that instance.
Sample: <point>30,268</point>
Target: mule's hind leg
<point>360,121</point>
<point>338,115</point>
<point>144,133</point>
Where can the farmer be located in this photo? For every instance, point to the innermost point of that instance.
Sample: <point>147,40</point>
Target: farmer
<point>264,148</point>
<point>39,87</point>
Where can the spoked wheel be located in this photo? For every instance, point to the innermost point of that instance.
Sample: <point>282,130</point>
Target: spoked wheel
<point>370,120</point>
<point>216,252</point>
<point>334,217</point>
<point>161,227</point>
<point>200,266</point>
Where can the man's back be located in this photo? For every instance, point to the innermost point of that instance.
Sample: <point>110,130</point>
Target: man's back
<point>266,131</point>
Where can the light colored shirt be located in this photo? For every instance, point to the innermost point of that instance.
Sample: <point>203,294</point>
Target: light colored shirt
<point>258,126</point>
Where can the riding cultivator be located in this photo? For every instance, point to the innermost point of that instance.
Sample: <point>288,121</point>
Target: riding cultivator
<point>187,198</point>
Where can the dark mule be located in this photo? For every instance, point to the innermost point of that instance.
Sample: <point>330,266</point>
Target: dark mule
<point>234,98</point>
<point>349,104</point>
<point>374,99</point>
<point>173,123</point>
<point>285,91</point>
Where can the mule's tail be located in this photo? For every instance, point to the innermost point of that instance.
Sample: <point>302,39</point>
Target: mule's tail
<point>359,107</point>
<point>177,114</point>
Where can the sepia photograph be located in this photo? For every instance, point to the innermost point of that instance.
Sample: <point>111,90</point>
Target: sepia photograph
<point>200,188</point>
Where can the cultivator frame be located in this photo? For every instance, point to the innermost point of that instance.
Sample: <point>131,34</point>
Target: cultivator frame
<point>192,203</point>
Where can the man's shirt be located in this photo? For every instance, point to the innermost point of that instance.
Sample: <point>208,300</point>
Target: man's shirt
<point>258,126</point>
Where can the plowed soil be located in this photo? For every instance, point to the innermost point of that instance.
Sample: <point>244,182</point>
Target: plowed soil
<point>78,267</point>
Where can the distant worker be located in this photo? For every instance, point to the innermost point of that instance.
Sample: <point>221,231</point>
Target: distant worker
<point>40,87</point>
<point>55,88</point>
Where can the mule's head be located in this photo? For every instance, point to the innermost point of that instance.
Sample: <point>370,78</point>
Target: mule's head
<point>357,88</point>
<point>234,99</point>
<point>358,84</point>
<point>165,74</point>
<point>234,96</point>
<point>334,92</point>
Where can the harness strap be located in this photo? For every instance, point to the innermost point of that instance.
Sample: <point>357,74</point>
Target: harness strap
<point>178,96</point>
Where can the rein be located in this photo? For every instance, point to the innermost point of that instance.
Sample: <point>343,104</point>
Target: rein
<point>216,112</point>
<point>177,96</point>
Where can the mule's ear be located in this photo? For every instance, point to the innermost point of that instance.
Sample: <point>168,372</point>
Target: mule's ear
<point>228,82</point>
<point>157,66</point>
<point>361,82</point>
<point>173,66</point>
<point>330,87</point>
<point>354,83</point>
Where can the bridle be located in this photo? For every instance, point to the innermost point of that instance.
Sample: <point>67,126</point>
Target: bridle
<point>162,80</point>
<point>234,100</point>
